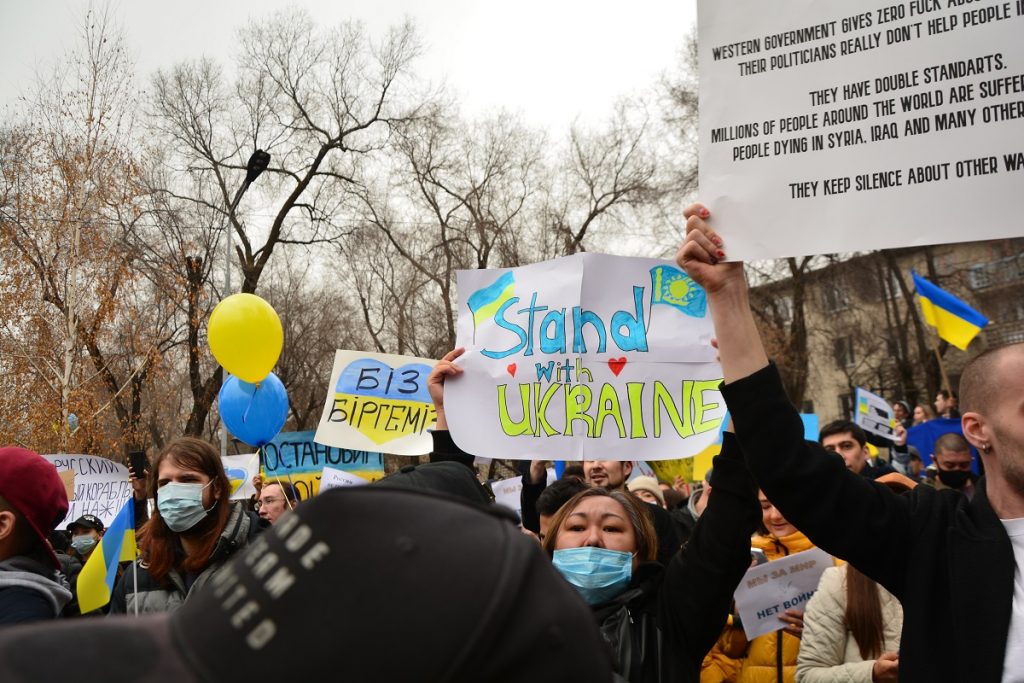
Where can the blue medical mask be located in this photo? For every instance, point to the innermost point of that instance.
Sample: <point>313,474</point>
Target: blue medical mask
<point>598,574</point>
<point>181,505</point>
<point>83,544</point>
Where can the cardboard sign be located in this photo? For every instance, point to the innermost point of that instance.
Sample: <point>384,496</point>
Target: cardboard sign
<point>584,357</point>
<point>101,486</point>
<point>297,458</point>
<point>770,589</point>
<point>240,470</point>
<point>828,126</point>
<point>334,478</point>
<point>378,401</point>
<point>873,414</point>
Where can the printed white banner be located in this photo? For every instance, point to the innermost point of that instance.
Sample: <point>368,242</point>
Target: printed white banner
<point>770,589</point>
<point>240,470</point>
<point>378,402</point>
<point>101,486</point>
<point>333,478</point>
<point>874,414</point>
<point>584,357</point>
<point>828,126</point>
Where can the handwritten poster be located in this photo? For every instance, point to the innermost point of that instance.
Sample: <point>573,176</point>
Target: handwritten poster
<point>584,357</point>
<point>829,126</point>
<point>240,470</point>
<point>100,486</point>
<point>296,457</point>
<point>378,401</point>
<point>770,589</point>
<point>873,414</point>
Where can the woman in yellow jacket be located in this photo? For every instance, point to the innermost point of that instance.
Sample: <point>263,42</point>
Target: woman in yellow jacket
<point>771,658</point>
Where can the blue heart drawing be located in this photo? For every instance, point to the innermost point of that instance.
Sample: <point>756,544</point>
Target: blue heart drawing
<point>371,377</point>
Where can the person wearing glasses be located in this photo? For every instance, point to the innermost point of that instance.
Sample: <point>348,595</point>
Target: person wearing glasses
<point>276,498</point>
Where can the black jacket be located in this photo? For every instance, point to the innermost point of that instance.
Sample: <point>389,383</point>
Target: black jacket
<point>949,561</point>
<point>663,625</point>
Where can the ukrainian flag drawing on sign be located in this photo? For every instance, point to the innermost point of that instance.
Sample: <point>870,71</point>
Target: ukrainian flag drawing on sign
<point>484,303</point>
<point>952,318</point>
<point>96,580</point>
<point>673,287</point>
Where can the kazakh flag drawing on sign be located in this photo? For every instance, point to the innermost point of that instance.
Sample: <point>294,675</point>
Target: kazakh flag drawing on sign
<point>96,580</point>
<point>955,321</point>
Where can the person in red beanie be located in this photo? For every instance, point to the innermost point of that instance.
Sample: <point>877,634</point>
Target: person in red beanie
<point>33,502</point>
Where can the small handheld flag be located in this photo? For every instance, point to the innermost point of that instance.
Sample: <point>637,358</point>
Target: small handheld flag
<point>673,287</point>
<point>953,319</point>
<point>96,580</point>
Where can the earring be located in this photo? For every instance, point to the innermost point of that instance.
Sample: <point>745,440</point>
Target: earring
<point>985,447</point>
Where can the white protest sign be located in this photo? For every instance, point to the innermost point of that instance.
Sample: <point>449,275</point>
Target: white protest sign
<point>770,589</point>
<point>508,492</point>
<point>378,402</point>
<point>873,414</point>
<point>333,478</point>
<point>240,470</point>
<point>584,357</point>
<point>828,126</point>
<point>101,486</point>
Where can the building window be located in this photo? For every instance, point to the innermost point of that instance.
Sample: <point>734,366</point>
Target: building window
<point>846,405</point>
<point>843,349</point>
<point>836,298</point>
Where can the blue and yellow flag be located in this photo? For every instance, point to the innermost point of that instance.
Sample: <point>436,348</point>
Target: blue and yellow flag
<point>96,580</point>
<point>955,321</point>
<point>673,287</point>
<point>484,303</point>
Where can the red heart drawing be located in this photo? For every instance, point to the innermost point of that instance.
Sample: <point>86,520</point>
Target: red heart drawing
<point>616,365</point>
<point>511,369</point>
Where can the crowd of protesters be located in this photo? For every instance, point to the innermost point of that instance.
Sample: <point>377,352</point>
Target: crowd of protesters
<point>926,583</point>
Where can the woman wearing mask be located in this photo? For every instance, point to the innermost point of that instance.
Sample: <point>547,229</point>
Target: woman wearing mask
<point>191,534</point>
<point>659,621</point>
<point>771,658</point>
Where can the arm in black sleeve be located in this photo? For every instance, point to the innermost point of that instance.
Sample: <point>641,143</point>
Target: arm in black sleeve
<point>445,449</point>
<point>845,514</point>
<point>119,597</point>
<point>141,513</point>
<point>696,595</point>
<point>528,502</point>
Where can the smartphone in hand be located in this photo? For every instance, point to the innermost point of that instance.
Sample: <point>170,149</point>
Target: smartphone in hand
<point>139,463</point>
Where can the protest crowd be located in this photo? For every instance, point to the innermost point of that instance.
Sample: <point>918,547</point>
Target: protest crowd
<point>605,575</point>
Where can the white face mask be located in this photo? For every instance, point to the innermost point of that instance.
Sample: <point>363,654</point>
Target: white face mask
<point>83,544</point>
<point>181,505</point>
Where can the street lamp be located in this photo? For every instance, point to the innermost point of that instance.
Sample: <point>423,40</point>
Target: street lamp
<point>258,163</point>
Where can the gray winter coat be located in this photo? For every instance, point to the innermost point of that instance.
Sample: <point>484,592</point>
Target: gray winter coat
<point>137,585</point>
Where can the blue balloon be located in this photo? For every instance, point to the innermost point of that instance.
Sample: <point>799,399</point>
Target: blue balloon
<point>254,413</point>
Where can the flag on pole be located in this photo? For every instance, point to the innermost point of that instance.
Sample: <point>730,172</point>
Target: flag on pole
<point>96,580</point>
<point>953,319</point>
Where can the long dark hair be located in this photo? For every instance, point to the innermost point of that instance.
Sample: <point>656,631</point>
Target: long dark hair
<point>158,543</point>
<point>864,613</point>
<point>864,605</point>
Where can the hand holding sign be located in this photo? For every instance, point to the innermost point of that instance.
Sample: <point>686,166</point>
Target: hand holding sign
<point>444,369</point>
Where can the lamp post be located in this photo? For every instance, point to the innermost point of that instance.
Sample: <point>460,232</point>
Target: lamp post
<point>258,163</point>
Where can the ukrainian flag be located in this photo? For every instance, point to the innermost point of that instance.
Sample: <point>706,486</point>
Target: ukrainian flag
<point>484,303</point>
<point>96,580</point>
<point>955,321</point>
<point>673,287</point>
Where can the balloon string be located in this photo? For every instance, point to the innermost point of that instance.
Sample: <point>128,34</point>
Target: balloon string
<point>245,415</point>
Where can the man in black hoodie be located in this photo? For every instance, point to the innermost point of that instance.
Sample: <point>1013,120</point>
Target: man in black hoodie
<point>32,503</point>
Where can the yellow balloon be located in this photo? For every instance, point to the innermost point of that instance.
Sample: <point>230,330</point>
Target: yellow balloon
<point>245,336</point>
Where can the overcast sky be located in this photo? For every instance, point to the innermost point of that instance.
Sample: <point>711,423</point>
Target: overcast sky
<point>549,60</point>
